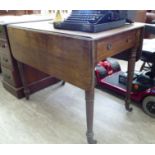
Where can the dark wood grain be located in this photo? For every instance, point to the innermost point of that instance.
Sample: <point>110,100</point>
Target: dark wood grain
<point>66,58</point>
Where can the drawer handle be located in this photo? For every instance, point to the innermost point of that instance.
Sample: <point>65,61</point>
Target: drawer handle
<point>109,46</point>
<point>4,59</point>
<point>7,76</point>
<point>4,45</point>
<point>127,40</point>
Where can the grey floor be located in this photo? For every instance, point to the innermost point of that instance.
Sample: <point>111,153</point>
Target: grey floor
<point>57,115</point>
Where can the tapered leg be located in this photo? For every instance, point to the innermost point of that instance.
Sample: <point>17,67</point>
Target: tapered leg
<point>23,79</point>
<point>131,66</point>
<point>89,95</point>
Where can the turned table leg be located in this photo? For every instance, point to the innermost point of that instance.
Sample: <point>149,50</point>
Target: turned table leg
<point>23,79</point>
<point>131,66</point>
<point>89,95</point>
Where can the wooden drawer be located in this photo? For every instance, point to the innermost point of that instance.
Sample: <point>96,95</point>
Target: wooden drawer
<point>115,44</point>
<point>6,60</point>
<point>4,46</point>
<point>10,77</point>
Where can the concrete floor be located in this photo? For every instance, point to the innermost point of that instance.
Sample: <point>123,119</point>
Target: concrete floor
<point>57,115</point>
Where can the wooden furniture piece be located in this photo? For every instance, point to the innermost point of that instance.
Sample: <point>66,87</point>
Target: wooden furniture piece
<point>11,79</point>
<point>12,12</point>
<point>17,12</point>
<point>72,56</point>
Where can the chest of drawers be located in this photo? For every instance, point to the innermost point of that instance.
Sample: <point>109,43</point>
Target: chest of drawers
<point>8,66</point>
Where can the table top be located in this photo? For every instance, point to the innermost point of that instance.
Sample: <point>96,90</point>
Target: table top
<point>4,20</point>
<point>47,27</point>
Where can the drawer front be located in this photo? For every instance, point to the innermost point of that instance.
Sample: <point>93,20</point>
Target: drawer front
<point>6,60</point>
<point>115,44</point>
<point>9,77</point>
<point>2,32</point>
<point>4,46</point>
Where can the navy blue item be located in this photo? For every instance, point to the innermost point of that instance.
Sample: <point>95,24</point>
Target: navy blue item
<point>93,20</point>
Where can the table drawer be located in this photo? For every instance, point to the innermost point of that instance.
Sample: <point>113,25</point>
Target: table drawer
<point>6,60</point>
<point>115,44</point>
<point>4,46</point>
<point>9,77</point>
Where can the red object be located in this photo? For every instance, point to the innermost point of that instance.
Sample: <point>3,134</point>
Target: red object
<point>136,96</point>
<point>107,66</point>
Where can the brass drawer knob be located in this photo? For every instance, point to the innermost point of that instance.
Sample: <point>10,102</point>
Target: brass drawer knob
<point>127,40</point>
<point>5,59</point>
<point>7,76</point>
<point>4,45</point>
<point>109,46</point>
